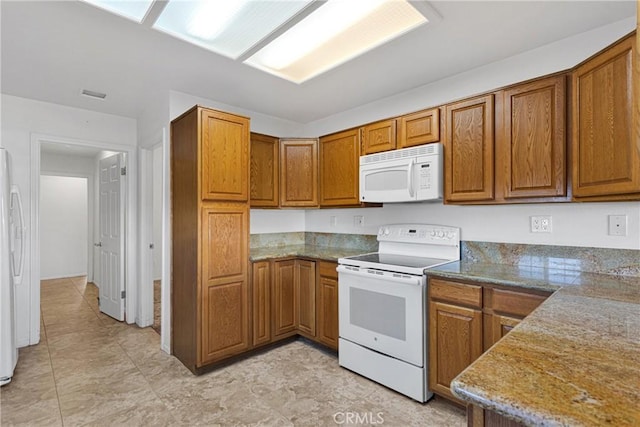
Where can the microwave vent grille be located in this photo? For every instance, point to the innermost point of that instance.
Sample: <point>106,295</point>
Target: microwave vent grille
<point>421,150</point>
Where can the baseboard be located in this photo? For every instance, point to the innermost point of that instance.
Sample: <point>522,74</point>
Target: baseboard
<point>65,276</point>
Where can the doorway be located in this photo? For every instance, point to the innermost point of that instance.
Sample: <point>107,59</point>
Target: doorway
<point>62,157</point>
<point>156,213</point>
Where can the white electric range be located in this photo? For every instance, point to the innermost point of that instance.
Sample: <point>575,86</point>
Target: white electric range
<point>383,305</point>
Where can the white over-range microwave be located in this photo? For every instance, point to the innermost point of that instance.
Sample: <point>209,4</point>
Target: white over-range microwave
<point>407,175</point>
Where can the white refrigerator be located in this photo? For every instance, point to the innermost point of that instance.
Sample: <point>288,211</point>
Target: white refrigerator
<point>12,253</point>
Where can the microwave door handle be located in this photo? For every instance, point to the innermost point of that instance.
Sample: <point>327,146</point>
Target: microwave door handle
<point>410,177</point>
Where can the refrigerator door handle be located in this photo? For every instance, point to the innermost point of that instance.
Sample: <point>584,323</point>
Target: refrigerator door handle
<point>21,232</point>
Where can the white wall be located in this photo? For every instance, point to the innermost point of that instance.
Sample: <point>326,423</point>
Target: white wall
<point>157,213</point>
<point>64,223</point>
<point>20,119</point>
<point>261,123</point>
<point>551,58</point>
<point>573,224</point>
<point>78,166</point>
<point>277,221</point>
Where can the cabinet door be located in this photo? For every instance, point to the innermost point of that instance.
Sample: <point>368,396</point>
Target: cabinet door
<point>379,136</point>
<point>327,304</point>
<point>497,326</point>
<point>469,150</point>
<point>265,171</point>
<point>340,169</point>
<point>605,159</point>
<point>284,298</point>
<point>532,142</point>
<point>305,280</point>
<point>419,128</point>
<point>224,327</point>
<point>261,302</point>
<point>225,156</point>
<point>455,341</point>
<point>299,172</point>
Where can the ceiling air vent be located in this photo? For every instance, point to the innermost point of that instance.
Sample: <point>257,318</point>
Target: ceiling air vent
<point>93,94</point>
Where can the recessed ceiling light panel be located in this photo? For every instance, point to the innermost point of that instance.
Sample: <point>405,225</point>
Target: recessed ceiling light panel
<point>336,32</point>
<point>227,27</point>
<point>135,10</point>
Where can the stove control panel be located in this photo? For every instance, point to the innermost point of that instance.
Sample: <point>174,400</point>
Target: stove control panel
<point>419,234</point>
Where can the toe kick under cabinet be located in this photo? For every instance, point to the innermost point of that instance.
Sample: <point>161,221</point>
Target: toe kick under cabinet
<point>210,245</point>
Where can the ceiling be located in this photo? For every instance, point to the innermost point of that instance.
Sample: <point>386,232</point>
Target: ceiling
<point>53,49</point>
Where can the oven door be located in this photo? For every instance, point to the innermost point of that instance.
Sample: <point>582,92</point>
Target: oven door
<point>388,181</point>
<point>383,311</point>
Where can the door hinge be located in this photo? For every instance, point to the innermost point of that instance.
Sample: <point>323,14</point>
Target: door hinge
<point>98,301</point>
<point>123,294</point>
<point>123,170</point>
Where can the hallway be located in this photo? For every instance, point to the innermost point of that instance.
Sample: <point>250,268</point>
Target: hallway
<point>92,370</point>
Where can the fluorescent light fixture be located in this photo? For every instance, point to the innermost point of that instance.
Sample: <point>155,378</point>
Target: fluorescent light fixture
<point>227,27</point>
<point>135,10</point>
<point>93,94</point>
<point>336,32</point>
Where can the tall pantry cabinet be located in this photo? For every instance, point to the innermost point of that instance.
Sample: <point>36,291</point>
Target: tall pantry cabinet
<point>210,228</point>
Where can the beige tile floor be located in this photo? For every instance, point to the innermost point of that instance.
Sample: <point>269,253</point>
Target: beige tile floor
<point>91,370</point>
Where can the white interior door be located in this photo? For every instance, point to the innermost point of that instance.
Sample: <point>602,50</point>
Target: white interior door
<point>111,211</point>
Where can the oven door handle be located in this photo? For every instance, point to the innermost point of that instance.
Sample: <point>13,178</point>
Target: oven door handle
<point>382,275</point>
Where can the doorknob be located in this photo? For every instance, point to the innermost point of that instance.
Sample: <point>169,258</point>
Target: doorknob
<point>98,245</point>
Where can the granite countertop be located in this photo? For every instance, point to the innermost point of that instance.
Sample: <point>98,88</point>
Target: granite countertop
<point>574,361</point>
<point>325,253</point>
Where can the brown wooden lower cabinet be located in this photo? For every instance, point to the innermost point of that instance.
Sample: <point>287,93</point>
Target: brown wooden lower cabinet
<point>261,302</point>
<point>455,341</point>
<point>284,298</point>
<point>466,319</point>
<point>327,304</point>
<point>478,417</point>
<point>305,283</point>
<point>295,296</point>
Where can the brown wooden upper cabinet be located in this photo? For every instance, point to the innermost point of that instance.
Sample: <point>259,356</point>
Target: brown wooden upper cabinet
<point>339,168</point>
<point>469,150</point>
<point>265,171</point>
<point>379,136</point>
<point>531,143</point>
<point>605,161</point>
<point>224,153</point>
<point>419,128</point>
<point>299,172</point>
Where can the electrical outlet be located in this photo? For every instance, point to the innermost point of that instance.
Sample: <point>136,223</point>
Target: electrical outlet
<point>541,224</point>
<point>358,221</point>
<point>333,221</point>
<point>617,225</point>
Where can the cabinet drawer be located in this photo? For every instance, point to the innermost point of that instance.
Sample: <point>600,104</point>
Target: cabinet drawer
<point>455,292</point>
<point>328,269</point>
<point>514,303</point>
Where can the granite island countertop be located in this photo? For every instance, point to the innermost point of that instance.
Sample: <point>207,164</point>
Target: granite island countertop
<point>325,253</point>
<point>574,361</point>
